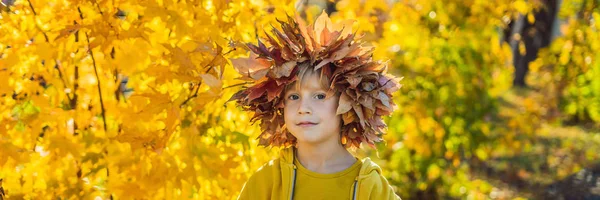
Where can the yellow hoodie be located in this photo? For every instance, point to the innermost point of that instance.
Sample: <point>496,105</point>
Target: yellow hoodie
<point>276,179</point>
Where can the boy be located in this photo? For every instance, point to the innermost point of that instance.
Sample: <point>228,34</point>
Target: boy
<point>317,91</point>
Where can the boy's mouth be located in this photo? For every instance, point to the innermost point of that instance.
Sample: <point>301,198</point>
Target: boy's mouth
<point>306,124</point>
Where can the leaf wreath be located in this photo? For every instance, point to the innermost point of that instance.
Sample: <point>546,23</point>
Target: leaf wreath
<point>364,85</point>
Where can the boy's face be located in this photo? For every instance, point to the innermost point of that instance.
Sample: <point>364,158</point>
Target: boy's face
<point>310,112</point>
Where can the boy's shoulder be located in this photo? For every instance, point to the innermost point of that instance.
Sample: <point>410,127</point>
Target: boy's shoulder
<point>269,167</point>
<point>273,167</point>
<point>262,182</point>
<point>268,172</point>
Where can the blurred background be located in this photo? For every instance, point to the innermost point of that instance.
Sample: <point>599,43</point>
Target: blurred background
<point>125,99</point>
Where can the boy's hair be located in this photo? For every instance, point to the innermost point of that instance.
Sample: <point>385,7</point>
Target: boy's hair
<point>344,65</point>
<point>324,81</point>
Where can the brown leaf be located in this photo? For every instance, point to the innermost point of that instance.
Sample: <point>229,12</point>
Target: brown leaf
<point>344,105</point>
<point>354,81</point>
<point>359,111</point>
<point>253,67</point>
<point>321,24</point>
<point>323,63</point>
<point>381,110</point>
<point>326,36</point>
<point>238,95</point>
<point>304,32</point>
<point>378,124</point>
<point>367,102</point>
<point>367,86</point>
<point>286,41</point>
<point>272,41</point>
<point>341,53</point>
<point>283,70</point>
<point>316,46</point>
<point>261,49</point>
<point>348,117</point>
<point>384,99</point>
<point>370,135</point>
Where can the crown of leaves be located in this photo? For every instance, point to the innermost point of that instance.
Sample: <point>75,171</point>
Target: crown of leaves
<point>364,86</point>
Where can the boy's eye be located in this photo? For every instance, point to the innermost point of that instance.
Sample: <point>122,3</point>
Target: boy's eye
<point>293,97</point>
<point>320,96</point>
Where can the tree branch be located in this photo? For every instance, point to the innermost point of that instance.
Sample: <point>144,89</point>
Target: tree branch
<point>87,37</point>
<point>200,83</point>
<point>60,75</point>
<point>36,25</point>
<point>191,96</point>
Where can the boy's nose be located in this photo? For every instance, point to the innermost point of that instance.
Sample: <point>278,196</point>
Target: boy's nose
<point>304,111</point>
<point>304,108</point>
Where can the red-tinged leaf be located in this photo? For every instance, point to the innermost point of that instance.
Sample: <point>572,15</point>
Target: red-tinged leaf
<point>256,91</point>
<point>277,57</point>
<point>273,90</point>
<point>333,36</point>
<point>287,54</point>
<point>255,94</point>
<point>325,36</point>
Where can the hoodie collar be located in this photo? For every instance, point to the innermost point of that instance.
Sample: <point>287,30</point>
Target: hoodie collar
<point>368,166</point>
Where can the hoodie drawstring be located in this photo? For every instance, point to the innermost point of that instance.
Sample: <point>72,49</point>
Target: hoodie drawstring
<point>293,183</point>
<point>294,173</point>
<point>354,191</point>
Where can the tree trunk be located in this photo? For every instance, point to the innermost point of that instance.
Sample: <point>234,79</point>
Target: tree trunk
<point>534,36</point>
